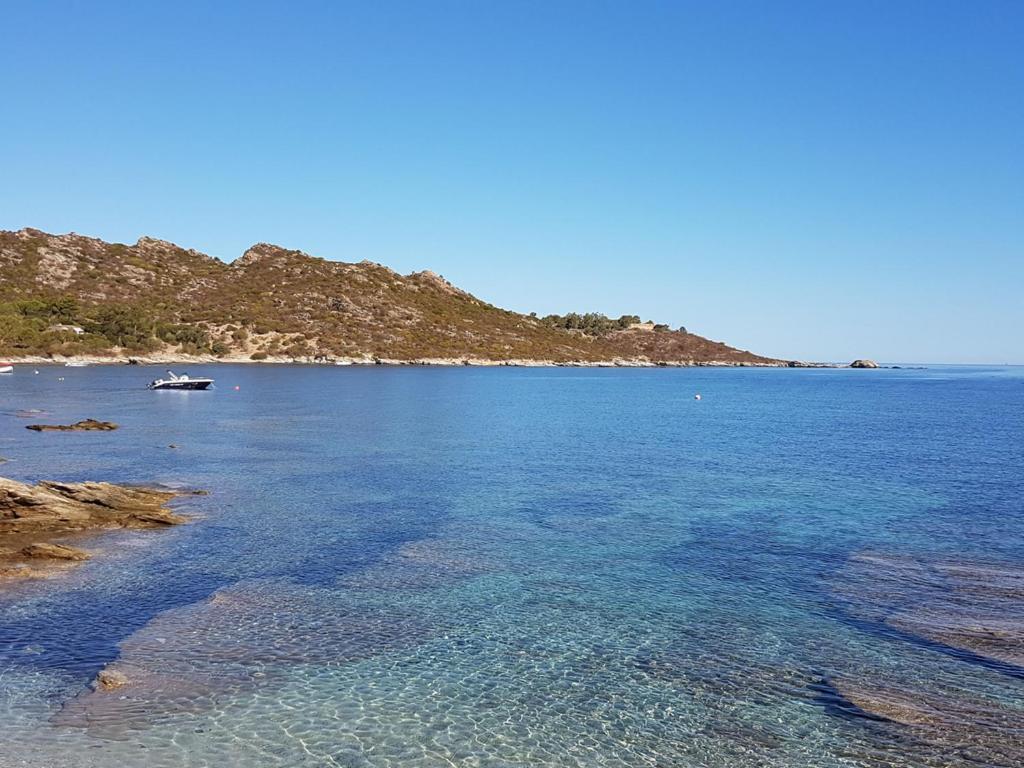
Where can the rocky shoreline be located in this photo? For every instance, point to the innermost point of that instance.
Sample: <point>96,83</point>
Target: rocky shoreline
<point>182,359</point>
<point>37,521</point>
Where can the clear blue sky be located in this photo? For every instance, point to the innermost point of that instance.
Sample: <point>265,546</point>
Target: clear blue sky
<point>818,180</point>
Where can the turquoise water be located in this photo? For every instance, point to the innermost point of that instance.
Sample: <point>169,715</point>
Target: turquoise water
<point>508,567</point>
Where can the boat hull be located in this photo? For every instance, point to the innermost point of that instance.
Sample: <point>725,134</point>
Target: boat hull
<point>181,385</point>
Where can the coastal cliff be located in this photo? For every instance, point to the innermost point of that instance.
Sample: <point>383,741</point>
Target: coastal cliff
<point>70,296</point>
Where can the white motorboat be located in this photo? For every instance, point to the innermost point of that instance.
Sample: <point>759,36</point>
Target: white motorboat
<point>174,381</point>
<point>76,364</point>
<point>6,367</point>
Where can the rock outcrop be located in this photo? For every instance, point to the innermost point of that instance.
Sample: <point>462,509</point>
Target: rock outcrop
<point>85,425</point>
<point>864,364</point>
<point>54,551</point>
<point>32,515</point>
<point>66,507</point>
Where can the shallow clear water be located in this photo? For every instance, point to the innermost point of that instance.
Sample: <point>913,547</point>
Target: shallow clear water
<point>504,567</point>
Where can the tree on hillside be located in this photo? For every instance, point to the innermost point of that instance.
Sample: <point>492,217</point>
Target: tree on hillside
<point>591,323</point>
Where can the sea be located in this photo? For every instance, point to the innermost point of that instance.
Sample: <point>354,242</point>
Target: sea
<point>418,566</point>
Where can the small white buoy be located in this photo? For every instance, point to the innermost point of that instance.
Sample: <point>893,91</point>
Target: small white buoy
<point>60,378</point>
<point>36,372</point>
<point>697,396</point>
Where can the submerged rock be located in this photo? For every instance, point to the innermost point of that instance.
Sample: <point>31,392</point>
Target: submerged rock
<point>17,572</point>
<point>86,425</point>
<point>981,730</point>
<point>898,706</point>
<point>423,564</point>
<point>242,637</point>
<point>974,609</point>
<point>110,679</point>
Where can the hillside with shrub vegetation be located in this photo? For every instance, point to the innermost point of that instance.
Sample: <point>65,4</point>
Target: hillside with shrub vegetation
<point>69,295</point>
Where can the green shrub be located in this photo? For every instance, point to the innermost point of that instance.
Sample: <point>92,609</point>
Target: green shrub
<point>591,323</point>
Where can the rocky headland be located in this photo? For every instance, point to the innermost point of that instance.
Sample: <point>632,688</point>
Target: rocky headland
<point>71,297</point>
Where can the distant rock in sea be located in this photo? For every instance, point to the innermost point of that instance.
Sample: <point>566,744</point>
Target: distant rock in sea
<point>86,425</point>
<point>864,364</point>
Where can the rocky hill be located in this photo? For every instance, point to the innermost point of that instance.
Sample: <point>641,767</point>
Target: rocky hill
<point>69,295</point>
